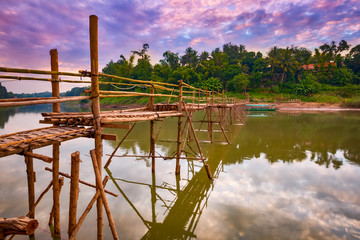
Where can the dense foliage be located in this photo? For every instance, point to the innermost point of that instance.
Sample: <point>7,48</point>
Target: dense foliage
<point>294,70</point>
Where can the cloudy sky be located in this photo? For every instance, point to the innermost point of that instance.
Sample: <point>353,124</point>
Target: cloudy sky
<point>29,29</point>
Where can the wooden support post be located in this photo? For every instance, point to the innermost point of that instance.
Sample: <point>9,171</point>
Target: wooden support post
<point>207,167</point>
<point>74,190</point>
<point>94,56</point>
<point>55,84</point>
<point>56,188</point>
<point>31,187</point>
<point>151,98</point>
<point>178,146</point>
<point>87,210</point>
<point>51,218</point>
<point>199,100</point>
<point>152,146</point>
<point>153,198</point>
<point>102,194</point>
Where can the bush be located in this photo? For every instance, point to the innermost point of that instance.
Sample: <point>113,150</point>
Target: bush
<point>307,85</point>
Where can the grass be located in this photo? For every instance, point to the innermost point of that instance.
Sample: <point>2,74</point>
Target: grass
<point>352,102</point>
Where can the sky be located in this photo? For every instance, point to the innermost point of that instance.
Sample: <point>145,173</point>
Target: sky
<point>29,29</point>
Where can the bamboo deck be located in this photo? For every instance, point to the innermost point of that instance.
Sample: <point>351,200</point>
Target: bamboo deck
<point>16,143</point>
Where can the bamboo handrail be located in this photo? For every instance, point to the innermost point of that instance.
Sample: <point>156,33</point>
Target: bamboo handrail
<point>133,80</point>
<point>42,101</point>
<point>20,78</point>
<point>21,70</point>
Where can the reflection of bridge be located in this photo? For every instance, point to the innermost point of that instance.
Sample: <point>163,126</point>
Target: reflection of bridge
<point>67,126</point>
<point>183,214</point>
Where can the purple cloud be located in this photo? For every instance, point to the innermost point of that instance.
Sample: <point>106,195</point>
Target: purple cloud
<point>29,29</point>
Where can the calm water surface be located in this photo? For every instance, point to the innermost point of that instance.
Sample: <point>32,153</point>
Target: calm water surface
<point>285,176</point>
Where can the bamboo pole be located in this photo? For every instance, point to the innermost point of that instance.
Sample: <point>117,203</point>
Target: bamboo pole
<point>102,194</point>
<point>56,188</point>
<point>207,167</point>
<point>51,219</point>
<point>40,197</point>
<point>42,101</point>
<point>96,111</point>
<point>133,80</point>
<point>31,184</point>
<point>178,146</point>
<point>38,156</point>
<point>87,210</point>
<point>21,70</point>
<point>55,84</point>
<point>24,99</point>
<point>113,93</point>
<point>152,146</point>
<point>81,181</point>
<point>74,190</point>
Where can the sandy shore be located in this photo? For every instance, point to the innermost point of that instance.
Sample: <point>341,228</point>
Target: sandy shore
<point>312,106</point>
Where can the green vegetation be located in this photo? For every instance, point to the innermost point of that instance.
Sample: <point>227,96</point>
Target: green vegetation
<point>325,75</point>
<point>4,93</point>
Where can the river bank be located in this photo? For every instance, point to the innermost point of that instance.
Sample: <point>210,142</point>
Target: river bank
<point>312,106</point>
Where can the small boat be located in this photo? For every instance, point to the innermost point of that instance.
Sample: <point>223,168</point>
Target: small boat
<point>261,107</point>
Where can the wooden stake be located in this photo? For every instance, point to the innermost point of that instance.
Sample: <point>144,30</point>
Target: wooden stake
<point>178,148</point>
<point>31,184</point>
<point>51,218</point>
<point>87,210</point>
<point>102,194</point>
<point>96,111</point>
<point>56,188</point>
<point>197,142</point>
<point>55,84</point>
<point>152,146</point>
<point>74,190</point>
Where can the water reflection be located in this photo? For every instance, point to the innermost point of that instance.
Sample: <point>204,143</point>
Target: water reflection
<point>285,176</point>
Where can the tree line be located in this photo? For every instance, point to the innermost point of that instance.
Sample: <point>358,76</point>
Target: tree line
<point>233,68</point>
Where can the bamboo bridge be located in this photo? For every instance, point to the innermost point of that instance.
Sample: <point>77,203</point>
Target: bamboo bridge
<point>183,100</point>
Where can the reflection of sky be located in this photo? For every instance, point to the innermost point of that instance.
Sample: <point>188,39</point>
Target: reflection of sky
<point>252,198</point>
<point>302,200</point>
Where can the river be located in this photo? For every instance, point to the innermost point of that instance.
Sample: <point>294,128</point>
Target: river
<point>284,176</point>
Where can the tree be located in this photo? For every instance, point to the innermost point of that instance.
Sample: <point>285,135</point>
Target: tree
<point>239,83</point>
<point>171,59</point>
<point>190,58</point>
<point>288,64</point>
<point>211,84</point>
<point>143,52</point>
<point>307,85</point>
<point>352,59</point>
